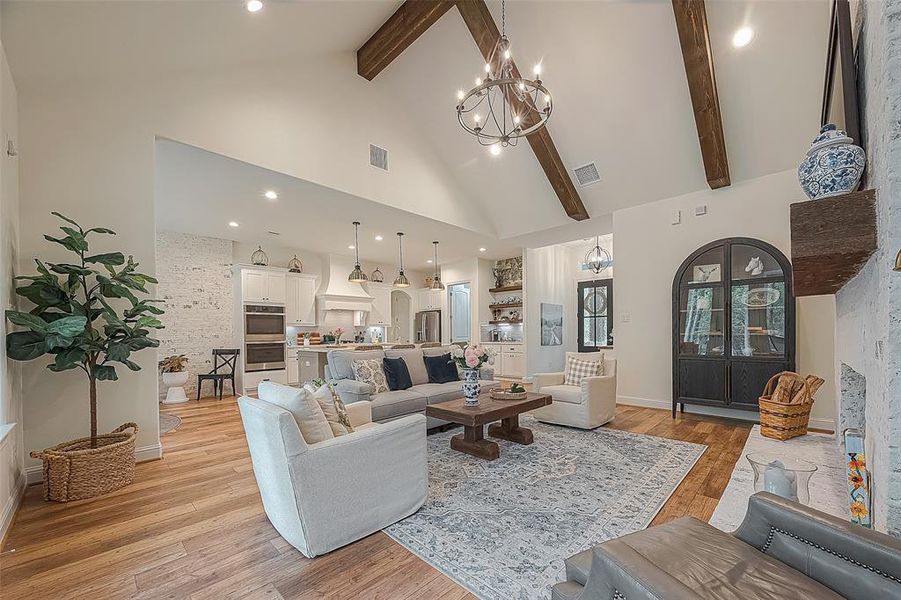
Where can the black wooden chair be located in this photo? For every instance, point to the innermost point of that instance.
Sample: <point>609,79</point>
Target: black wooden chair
<point>224,363</point>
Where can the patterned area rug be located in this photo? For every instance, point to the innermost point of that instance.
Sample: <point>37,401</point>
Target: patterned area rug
<point>502,528</point>
<point>169,423</point>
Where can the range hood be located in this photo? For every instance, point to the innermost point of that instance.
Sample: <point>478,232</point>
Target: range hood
<point>336,292</point>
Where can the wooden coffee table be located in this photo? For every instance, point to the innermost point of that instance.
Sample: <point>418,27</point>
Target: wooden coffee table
<point>474,418</point>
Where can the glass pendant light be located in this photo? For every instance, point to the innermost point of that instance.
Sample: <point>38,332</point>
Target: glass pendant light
<point>597,258</point>
<point>401,280</point>
<point>357,275</point>
<point>436,283</point>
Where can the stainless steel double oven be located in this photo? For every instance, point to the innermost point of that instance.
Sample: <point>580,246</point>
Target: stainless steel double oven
<point>264,337</point>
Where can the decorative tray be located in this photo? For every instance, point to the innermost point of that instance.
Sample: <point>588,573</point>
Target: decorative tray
<point>506,395</point>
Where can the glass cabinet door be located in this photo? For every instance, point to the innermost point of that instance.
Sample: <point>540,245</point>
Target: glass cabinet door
<point>758,319</point>
<point>702,321</point>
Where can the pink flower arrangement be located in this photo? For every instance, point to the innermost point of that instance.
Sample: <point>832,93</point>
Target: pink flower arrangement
<point>472,356</point>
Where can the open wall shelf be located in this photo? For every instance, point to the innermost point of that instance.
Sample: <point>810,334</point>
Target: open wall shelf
<point>832,239</point>
<point>506,288</point>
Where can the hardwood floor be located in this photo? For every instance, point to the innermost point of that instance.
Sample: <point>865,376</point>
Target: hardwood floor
<point>192,525</point>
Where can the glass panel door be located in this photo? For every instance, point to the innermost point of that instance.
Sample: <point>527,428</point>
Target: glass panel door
<point>702,321</point>
<point>758,319</point>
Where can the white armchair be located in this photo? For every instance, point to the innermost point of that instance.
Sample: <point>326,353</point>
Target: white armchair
<point>323,496</point>
<point>589,405</point>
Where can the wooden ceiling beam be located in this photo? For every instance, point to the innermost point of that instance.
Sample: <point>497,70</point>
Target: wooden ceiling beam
<point>485,33</point>
<point>401,29</point>
<point>694,38</point>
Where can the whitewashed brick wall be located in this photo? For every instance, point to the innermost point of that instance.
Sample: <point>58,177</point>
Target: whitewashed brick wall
<point>869,307</point>
<point>196,282</point>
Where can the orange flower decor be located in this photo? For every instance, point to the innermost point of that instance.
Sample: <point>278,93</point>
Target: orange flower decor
<point>859,464</point>
<point>856,481</point>
<point>859,509</point>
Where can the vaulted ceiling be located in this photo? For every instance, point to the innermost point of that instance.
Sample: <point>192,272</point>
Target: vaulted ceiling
<point>615,69</point>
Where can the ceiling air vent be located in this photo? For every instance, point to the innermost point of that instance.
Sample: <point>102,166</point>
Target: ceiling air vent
<point>587,174</point>
<point>378,157</point>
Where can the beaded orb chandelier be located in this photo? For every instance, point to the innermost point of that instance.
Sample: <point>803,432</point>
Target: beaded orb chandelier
<point>504,106</point>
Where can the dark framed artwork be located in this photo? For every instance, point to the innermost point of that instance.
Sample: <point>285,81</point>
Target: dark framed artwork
<point>840,103</point>
<point>551,324</point>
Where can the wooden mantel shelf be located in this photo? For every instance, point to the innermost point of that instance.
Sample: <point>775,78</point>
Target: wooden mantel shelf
<point>831,241</point>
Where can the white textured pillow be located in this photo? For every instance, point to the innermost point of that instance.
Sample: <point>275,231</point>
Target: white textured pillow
<point>578,369</point>
<point>334,410</point>
<point>307,413</point>
<point>372,372</point>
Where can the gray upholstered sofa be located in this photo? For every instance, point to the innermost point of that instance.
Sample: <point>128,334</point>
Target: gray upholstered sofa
<point>781,550</point>
<point>390,405</point>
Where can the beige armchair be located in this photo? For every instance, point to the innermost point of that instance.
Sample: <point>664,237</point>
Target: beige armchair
<point>589,405</point>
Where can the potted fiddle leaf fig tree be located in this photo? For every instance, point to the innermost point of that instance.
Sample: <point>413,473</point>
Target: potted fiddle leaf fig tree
<point>87,315</point>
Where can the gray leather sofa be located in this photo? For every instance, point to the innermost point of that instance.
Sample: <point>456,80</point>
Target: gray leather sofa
<point>781,550</point>
<point>393,404</point>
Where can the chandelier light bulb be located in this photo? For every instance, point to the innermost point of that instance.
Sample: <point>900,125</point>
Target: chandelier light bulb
<point>495,149</point>
<point>478,81</point>
<point>253,5</point>
<point>488,67</point>
<point>460,95</point>
<point>507,54</point>
<point>477,118</point>
<point>537,69</point>
<point>522,86</point>
<point>516,120</point>
<point>547,97</point>
<point>742,37</point>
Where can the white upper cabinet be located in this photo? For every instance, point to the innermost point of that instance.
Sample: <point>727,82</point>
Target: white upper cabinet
<point>262,286</point>
<point>300,307</point>
<point>380,314</point>
<point>429,299</point>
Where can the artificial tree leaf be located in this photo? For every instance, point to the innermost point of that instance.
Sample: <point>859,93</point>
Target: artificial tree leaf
<point>77,235</point>
<point>33,322</point>
<point>70,356</point>
<point>141,342</point>
<point>142,307</point>
<point>109,258</point>
<point>67,269</point>
<point>67,220</point>
<point>101,230</point>
<point>70,326</point>
<point>105,372</point>
<point>57,368</point>
<point>133,366</point>
<point>44,294</point>
<point>151,322</point>
<point>56,342</point>
<point>118,352</point>
<point>69,243</point>
<point>25,345</point>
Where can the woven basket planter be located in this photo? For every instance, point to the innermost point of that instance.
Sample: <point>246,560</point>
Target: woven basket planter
<point>75,471</point>
<point>781,421</point>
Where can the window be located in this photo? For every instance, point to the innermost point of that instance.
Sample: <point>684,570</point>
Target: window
<point>595,314</point>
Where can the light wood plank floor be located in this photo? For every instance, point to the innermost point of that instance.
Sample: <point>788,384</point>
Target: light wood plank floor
<point>192,525</point>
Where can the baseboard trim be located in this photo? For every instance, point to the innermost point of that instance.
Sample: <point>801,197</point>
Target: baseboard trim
<point>742,415</point>
<point>35,473</point>
<point>12,507</point>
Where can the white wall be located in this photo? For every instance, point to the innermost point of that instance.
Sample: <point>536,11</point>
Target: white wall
<point>88,151</point>
<point>12,465</point>
<point>649,250</point>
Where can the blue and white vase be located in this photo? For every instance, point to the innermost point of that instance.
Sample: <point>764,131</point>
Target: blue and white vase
<point>833,165</point>
<point>471,387</point>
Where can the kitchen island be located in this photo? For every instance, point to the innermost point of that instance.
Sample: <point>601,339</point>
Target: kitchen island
<point>311,360</point>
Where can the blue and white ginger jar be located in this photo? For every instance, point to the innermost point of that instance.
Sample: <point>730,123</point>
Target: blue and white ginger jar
<point>833,165</point>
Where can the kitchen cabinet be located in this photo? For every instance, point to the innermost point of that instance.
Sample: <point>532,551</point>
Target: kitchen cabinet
<point>300,303</point>
<point>381,304</point>
<point>429,299</point>
<point>293,366</point>
<point>258,285</point>
<point>510,360</point>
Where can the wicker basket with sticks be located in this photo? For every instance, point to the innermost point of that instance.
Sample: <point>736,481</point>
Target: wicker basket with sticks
<point>786,403</point>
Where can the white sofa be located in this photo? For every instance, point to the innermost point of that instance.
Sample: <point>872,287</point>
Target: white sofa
<point>589,405</point>
<point>323,496</point>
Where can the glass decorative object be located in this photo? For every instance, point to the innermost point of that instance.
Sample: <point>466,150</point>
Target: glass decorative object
<point>377,276</point>
<point>785,477</point>
<point>259,258</point>
<point>295,265</point>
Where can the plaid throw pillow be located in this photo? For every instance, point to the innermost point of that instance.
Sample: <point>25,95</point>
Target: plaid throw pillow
<point>578,369</point>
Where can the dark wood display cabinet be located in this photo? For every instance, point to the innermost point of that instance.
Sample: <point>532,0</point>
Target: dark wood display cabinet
<point>733,323</point>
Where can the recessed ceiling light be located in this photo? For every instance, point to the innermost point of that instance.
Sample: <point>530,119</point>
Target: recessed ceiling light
<point>379,238</point>
<point>742,37</point>
<point>351,247</point>
<point>271,194</point>
<point>429,261</point>
<point>482,249</point>
<point>232,223</point>
<point>253,5</point>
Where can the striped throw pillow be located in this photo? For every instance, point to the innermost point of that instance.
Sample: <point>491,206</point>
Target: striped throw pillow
<point>578,369</point>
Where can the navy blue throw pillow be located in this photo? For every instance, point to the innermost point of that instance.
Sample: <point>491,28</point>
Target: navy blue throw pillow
<point>441,369</point>
<point>397,374</point>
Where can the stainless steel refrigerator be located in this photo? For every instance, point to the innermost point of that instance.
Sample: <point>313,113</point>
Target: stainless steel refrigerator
<point>428,326</point>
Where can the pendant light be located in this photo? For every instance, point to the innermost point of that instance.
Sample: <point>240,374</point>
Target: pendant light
<point>357,275</point>
<point>401,281</point>
<point>436,283</point>
<point>597,259</point>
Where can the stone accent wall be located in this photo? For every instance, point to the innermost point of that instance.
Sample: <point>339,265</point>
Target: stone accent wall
<point>868,337</point>
<point>196,282</point>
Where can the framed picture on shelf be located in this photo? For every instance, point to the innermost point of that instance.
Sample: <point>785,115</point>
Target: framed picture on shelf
<point>707,273</point>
